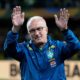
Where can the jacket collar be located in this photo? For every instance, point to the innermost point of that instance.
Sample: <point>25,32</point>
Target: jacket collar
<point>46,46</point>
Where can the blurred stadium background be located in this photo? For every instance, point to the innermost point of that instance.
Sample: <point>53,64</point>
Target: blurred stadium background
<point>9,69</point>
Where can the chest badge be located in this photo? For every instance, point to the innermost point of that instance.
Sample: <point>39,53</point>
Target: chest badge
<point>50,54</point>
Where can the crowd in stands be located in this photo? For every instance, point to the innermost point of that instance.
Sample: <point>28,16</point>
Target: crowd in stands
<point>8,4</point>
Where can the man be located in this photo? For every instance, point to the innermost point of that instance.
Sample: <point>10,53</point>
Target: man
<point>41,58</point>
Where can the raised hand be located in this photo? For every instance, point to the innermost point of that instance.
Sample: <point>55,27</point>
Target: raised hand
<point>62,20</point>
<point>17,18</point>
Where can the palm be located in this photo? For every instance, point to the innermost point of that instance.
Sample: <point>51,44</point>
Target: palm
<point>61,23</point>
<point>18,20</point>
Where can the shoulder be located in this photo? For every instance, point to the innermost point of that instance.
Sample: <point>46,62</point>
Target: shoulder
<point>58,43</point>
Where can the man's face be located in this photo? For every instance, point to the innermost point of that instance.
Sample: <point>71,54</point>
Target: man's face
<point>38,32</point>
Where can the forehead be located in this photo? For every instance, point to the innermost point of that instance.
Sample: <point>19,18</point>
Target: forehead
<point>37,23</point>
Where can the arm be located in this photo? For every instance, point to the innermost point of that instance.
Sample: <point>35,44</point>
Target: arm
<point>72,43</point>
<point>11,46</point>
<point>71,46</point>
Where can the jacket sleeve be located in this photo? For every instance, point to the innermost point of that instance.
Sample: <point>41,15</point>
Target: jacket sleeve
<point>12,48</point>
<point>70,46</point>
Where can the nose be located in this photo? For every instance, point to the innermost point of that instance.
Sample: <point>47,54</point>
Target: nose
<point>36,32</point>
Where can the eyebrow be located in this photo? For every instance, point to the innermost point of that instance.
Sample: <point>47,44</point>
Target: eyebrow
<point>35,28</point>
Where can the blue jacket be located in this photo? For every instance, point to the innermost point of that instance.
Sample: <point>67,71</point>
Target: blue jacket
<point>46,63</point>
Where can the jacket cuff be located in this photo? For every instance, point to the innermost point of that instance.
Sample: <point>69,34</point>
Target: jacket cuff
<point>65,31</point>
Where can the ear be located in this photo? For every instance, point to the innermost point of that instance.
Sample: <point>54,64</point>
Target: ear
<point>47,30</point>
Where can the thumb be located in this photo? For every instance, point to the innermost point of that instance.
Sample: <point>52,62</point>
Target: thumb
<point>23,15</point>
<point>56,18</point>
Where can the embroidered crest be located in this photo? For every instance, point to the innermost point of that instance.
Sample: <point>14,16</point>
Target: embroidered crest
<point>52,47</point>
<point>50,54</point>
<point>29,48</point>
<point>53,63</point>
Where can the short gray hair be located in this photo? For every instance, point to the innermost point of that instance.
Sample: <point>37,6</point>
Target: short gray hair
<point>34,18</point>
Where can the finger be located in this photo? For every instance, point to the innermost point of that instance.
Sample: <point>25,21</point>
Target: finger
<point>18,10</point>
<point>14,10</point>
<point>56,18</point>
<point>66,13</point>
<point>13,13</point>
<point>61,12</point>
<point>23,15</point>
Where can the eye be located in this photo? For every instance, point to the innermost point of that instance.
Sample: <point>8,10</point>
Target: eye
<point>32,31</point>
<point>40,28</point>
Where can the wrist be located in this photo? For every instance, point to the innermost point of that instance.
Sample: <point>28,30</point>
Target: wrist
<point>63,29</point>
<point>15,30</point>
